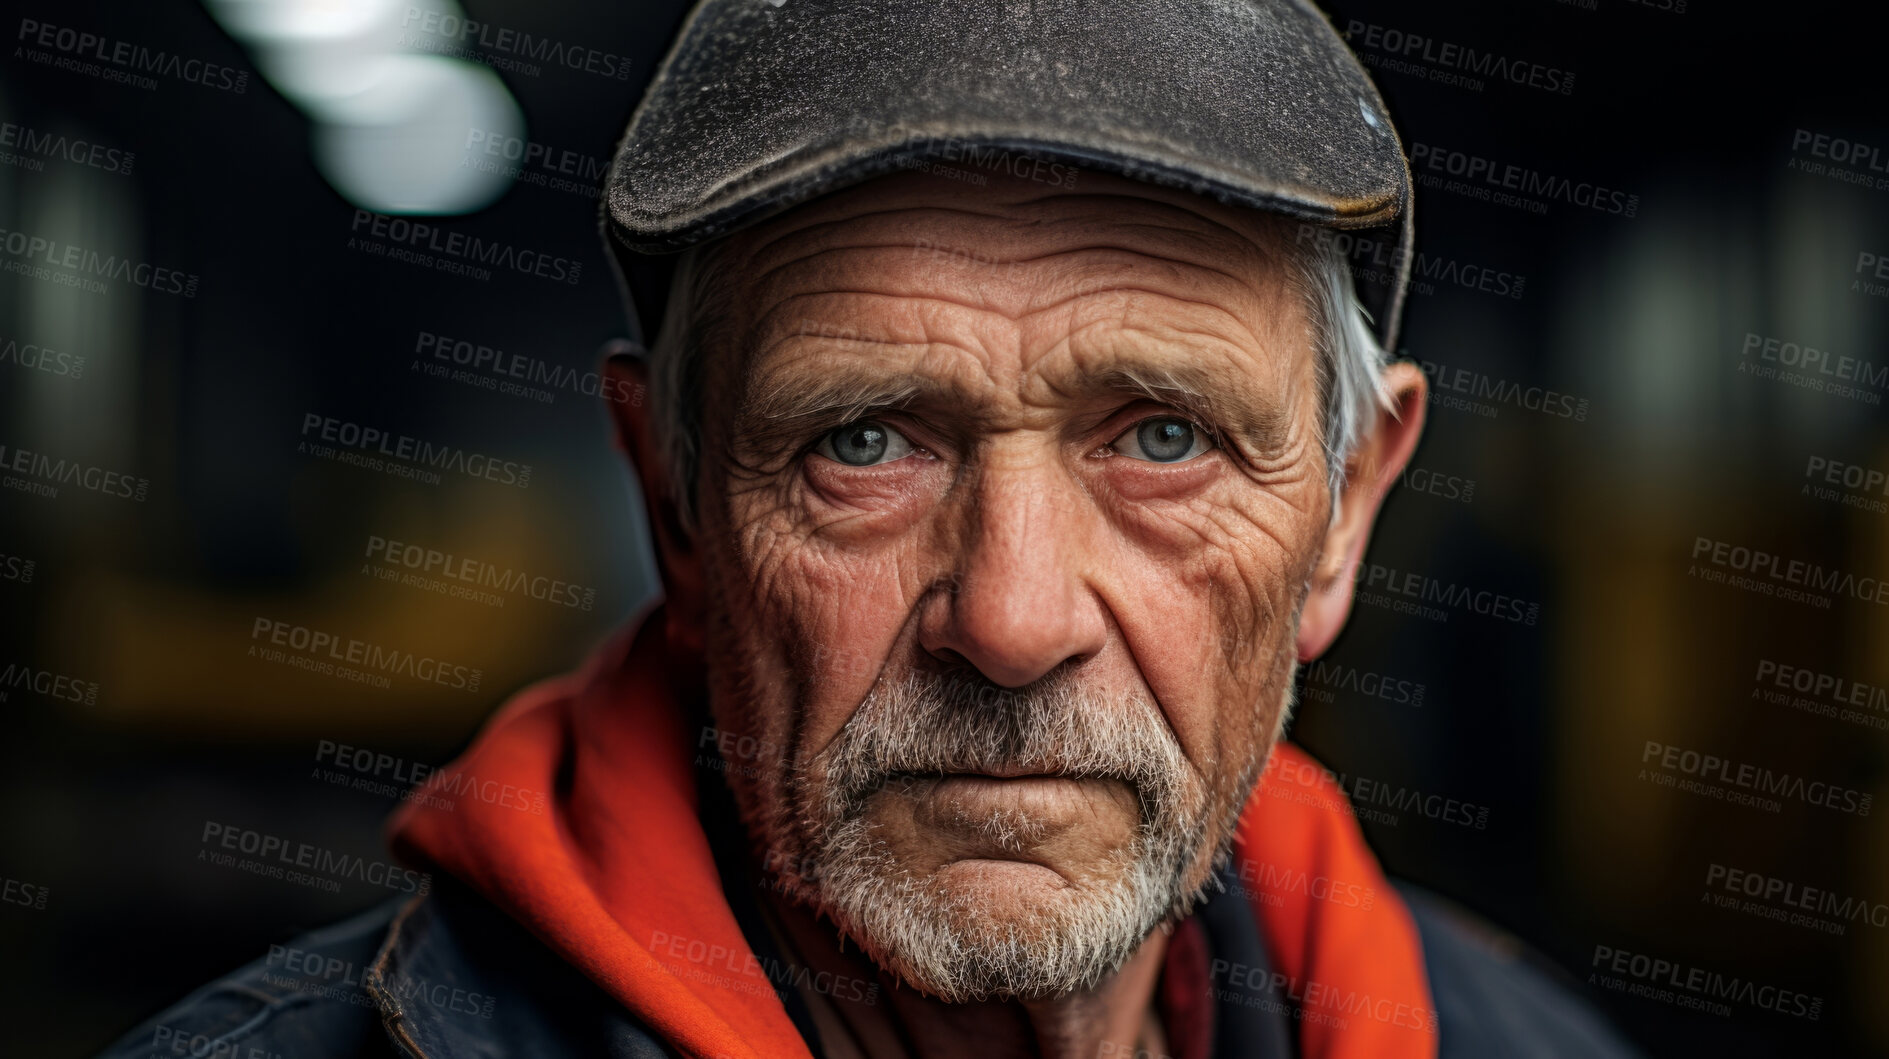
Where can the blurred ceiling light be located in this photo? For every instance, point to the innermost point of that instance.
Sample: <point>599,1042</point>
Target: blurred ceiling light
<point>392,121</point>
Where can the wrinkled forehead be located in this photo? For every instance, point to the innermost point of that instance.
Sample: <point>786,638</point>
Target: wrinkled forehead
<point>919,256</point>
<point>981,302</point>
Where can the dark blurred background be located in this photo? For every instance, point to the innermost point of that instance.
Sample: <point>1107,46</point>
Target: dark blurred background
<point>1597,415</point>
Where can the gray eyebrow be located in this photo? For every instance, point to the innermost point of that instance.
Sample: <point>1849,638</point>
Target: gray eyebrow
<point>847,394</point>
<point>1200,393</point>
<point>786,411</point>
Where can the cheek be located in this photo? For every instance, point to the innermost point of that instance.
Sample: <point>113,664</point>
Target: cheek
<point>864,506</point>
<point>819,617</point>
<point>1205,594</point>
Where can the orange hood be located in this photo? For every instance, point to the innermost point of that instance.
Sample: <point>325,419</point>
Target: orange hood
<point>577,816</point>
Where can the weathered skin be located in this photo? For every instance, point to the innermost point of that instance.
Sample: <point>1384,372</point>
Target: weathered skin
<point>1021,533</point>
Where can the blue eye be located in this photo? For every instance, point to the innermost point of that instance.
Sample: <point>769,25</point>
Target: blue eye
<point>1163,439</point>
<point>864,443</point>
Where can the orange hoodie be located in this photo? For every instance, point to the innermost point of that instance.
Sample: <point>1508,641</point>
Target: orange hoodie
<point>577,816</point>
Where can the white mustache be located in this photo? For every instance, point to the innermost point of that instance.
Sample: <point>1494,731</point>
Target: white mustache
<point>957,722</point>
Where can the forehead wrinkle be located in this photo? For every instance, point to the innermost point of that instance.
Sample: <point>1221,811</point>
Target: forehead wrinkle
<point>1037,242</point>
<point>762,352</point>
<point>1131,289</point>
<point>1206,248</point>
<point>767,236</point>
<point>837,388</point>
<point>912,302</point>
<point>1155,312</point>
<point>1099,271</point>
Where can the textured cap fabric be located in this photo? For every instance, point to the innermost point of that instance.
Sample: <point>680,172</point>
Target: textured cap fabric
<point>765,104</point>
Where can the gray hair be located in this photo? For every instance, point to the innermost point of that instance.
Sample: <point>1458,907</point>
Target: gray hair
<point>1350,361</point>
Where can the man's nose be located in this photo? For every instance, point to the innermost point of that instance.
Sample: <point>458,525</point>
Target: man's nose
<point>1018,602</point>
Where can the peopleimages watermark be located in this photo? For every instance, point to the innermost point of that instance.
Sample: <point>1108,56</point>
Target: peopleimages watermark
<point>530,162</point>
<point>1789,902</point>
<point>1848,484</point>
<point>71,265</point>
<point>1269,883</point>
<point>1810,368</point>
<point>780,869</point>
<point>1507,184</point>
<point>1821,694</point>
<point>1872,267</point>
<point>1323,678</point>
<point>173,1040</point>
<point>459,253</point>
<point>401,455</point>
<point>1412,593</point>
<point>465,578</point>
<point>1430,482</point>
<point>23,894</point>
<point>122,61</point>
<point>47,684</point>
<point>28,148</point>
<point>302,863</point>
<point>1463,389</point>
<point>27,471</point>
<point>29,357</point>
<point>376,772</point>
<point>1711,776</point>
<point>703,961</point>
<point>1444,62</point>
<point>513,374</point>
<point>324,974</point>
<point>733,752</point>
<point>1848,161</point>
<point>17,568</point>
<point>329,654</point>
<point>1376,261</point>
<point>1692,988</point>
<point>1308,1000</point>
<point>1772,575</point>
<point>1366,798</point>
<point>446,33</point>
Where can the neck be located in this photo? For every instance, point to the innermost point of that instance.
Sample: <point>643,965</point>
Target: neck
<point>1117,1017</point>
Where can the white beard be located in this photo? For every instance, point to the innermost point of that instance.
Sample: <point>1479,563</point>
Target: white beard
<point>944,941</point>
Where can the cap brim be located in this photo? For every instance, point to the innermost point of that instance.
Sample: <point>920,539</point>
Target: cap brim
<point>759,108</point>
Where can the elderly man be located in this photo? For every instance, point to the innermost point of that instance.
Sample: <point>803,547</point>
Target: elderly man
<point>1011,429</point>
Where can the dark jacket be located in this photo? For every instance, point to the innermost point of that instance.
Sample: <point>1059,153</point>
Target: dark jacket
<point>450,975</point>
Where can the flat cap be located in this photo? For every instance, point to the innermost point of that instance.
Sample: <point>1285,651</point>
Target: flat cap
<point>764,104</point>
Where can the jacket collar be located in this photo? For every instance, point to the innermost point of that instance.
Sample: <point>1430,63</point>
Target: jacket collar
<point>593,842</point>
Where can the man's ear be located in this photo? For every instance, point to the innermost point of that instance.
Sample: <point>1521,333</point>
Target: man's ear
<point>1369,474</point>
<point>627,394</point>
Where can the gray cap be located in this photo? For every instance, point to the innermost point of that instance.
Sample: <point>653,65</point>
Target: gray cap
<point>765,104</point>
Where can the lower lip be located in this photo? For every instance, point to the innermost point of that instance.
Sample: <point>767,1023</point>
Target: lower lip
<point>979,778</point>
<point>1039,794</point>
<point>1015,786</point>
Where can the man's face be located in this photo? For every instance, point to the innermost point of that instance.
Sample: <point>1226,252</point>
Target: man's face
<point>1010,496</point>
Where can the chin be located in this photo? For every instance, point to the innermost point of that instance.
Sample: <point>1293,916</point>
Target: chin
<point>979,929</point>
